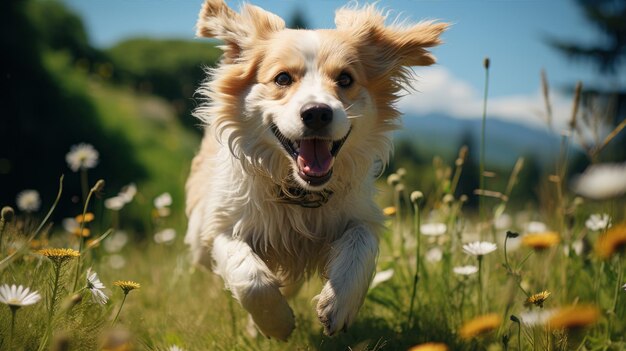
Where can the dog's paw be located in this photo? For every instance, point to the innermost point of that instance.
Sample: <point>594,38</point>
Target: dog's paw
<point>335,313</point>
<point>271,314</point>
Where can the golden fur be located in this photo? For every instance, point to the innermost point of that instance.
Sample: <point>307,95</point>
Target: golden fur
<point>238,223</point>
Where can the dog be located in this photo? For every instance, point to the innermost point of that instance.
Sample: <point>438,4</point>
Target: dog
<point>297,126</point>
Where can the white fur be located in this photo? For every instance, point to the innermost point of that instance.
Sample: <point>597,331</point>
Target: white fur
<point>262,247</point>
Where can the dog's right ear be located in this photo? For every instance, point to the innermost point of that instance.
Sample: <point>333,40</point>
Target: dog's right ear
<point>238,31</point>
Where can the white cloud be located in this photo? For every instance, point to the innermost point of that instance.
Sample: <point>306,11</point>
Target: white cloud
<point>438,91</point>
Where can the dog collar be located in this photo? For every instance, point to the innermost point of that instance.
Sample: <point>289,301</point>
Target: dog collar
<point>302,197</point>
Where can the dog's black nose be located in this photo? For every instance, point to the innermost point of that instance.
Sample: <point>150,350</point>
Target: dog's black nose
<point>316,115</point>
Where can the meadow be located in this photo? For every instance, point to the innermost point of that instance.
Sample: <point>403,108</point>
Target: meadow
<point>504,263</point>
<point>544,277</point>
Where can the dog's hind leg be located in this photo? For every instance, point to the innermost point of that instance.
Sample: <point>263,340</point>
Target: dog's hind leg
<point>349,270</point>
<point>254,285</point>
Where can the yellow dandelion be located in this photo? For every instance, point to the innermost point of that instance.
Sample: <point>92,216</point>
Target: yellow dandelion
<point>127,285</point>
<point>59,255</point>
<point>86,232</point>
<point>613,241</point>
<point>537,299</point>
<point>480,325</point>
<point>88,217</point>
<point>430,346</point>
<point>541,241</point>
<point>389,211</point>
<point>574,317</point>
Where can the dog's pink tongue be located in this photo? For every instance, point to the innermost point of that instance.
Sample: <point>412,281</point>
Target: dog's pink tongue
<point>315,158</point>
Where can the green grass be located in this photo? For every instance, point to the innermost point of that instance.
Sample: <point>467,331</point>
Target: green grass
<point>187,306</point>
<point>178,304</point>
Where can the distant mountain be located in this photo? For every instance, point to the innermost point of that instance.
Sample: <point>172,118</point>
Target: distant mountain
<point>439,134</point>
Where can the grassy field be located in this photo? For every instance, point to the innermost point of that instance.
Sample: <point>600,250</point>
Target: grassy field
<point>569,263</point>
<point>546,275</point>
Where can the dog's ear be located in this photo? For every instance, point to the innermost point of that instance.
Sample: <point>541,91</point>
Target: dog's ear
<point>237,30</point>
<point>398,46</point>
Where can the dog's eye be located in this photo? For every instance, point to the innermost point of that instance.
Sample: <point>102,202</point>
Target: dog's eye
<point>283,79</point>
<point>344,80</point>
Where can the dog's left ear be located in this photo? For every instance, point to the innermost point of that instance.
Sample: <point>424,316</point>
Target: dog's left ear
<point>239,31</point>
<point>396,46</point>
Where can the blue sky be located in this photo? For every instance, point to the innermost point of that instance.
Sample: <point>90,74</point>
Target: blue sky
<point>510,32</point>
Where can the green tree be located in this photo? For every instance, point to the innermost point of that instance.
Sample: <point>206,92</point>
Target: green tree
<point>298,20</point>
<point>608,56</point>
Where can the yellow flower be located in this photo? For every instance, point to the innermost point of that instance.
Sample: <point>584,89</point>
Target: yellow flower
<point>127,285</point>
<point>612,241</point>
<point>86,232</point>
<point>537,299</point>
<point>480,325</point>
<point>59,255</point>
<point>574,317</point>
<point>389,211</point>
<point>430,346</point>
<point>87,218</point>
<point>541,241</point>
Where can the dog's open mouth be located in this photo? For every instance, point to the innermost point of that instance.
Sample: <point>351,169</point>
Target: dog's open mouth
<point>313,156</point>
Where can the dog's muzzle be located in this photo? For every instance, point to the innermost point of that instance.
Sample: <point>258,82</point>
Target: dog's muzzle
<point>314,157</point>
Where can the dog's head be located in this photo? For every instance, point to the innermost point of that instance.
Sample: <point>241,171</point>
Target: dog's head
<point>309,106</point>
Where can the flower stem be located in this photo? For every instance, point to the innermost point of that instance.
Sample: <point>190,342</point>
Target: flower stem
<point>120,310</point>
<point>5,261</point>
<point>481,199</point>
<point>417,261</point>
<point>81,239</point>
<point>618,282</point>
<point>13,312</point>
<point>2,225</point>
<point>519,336</point>
<point>480,284</point>
<point>53,298</point>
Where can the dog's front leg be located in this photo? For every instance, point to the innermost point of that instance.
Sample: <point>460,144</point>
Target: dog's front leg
<point>254,285</point>
<point>349,271</point>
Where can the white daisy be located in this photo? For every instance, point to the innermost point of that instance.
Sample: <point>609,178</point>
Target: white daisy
<point>504,221</point>
<point>536,227</point>
<point>433,229</point>
<point>116,242</point>
<point>434,255</point>
<point>82,156</point>
<point>381,277</point>
<point>465,270</point>
<point>163,200</point>
<point>70,225</point>
<point>165,236</point>
<point>597,222</point>
<point>536,317</point>
<point>18,296</point>
<point>479,248</point>
<point>95,286</point>
<point>115,203</point>
<point>175,348</point>
<point>577,245</point>
<point>601,181</point>
<point>128,192</point>
<point>126,195</point>
<point>624,287</point>
<point>28,200</point>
